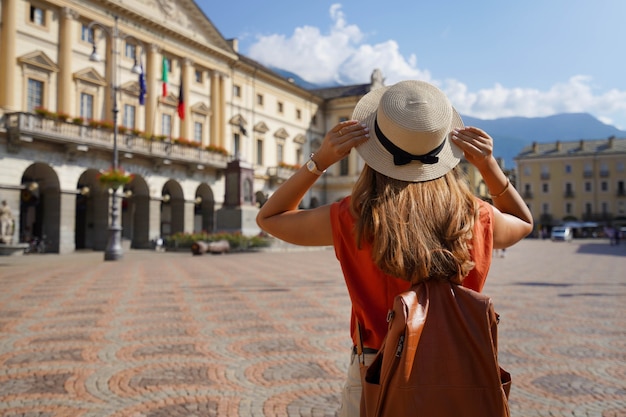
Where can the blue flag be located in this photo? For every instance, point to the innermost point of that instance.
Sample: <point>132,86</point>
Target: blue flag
<point>142,87</point>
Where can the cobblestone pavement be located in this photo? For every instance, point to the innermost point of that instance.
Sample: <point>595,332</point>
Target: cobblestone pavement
<point>266,334</point>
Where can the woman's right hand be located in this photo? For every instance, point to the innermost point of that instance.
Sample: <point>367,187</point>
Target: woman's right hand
<point>339,141</point>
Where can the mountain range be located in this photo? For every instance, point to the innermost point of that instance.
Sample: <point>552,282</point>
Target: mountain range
<point>512,134</point>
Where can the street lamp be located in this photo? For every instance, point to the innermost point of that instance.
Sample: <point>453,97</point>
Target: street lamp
<point>113,250</point>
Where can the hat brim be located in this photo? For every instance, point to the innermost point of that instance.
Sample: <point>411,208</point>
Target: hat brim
<point>378,158</point>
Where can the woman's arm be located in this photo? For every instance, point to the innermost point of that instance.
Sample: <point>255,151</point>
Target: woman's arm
<point>280,215</point>
<point>513,220</point>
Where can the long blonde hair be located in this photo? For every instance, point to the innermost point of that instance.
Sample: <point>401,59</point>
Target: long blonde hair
<point>416,230</point>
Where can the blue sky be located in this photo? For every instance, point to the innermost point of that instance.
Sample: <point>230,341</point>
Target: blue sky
<point>493,58</point>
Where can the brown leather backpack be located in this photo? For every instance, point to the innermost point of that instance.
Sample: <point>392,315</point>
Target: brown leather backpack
<point>439,357</point>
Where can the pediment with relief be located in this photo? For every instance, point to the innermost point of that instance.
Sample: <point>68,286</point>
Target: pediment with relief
<point>182,17</point>
<point>281,133</point>
<point>131,87</point>
<point>39,59</point>
<point>261,127</point>
<point>91,76</point>
<point>300,138</point>
<point>201,108</point>
<point>170,100</point>
<point>238,120</point>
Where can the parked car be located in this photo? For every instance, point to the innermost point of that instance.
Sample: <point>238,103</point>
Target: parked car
<point>562,233</point>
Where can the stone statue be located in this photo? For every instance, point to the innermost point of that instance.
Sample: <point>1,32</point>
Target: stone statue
<point>6,223</point>
<point>377,79</point>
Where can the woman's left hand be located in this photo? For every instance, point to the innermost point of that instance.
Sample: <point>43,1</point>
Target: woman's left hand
<point>476,144</point>
<point>339,141</point>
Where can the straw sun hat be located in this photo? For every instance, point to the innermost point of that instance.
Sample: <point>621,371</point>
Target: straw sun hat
<point>409,125</point>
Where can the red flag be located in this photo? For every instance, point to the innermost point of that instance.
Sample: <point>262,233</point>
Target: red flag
<point>181,100</point>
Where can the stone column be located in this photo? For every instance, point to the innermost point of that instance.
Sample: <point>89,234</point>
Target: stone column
<point>66,38</point>
<point>185,124</point>
<point>155,219</point>
<point>217,109</point>
<point>7,54</point>
<point>152,93</point>
<point>189,216</point>
<point>67,232</point>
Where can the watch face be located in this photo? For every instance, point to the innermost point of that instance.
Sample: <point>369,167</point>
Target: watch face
<point>312,167</point>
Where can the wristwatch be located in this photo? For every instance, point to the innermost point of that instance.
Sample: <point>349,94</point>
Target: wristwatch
<point>312,167</point>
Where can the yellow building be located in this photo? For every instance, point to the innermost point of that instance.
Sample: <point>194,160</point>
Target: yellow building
<point>574,181</point>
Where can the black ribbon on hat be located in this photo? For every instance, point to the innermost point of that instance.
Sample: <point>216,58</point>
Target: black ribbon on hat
<point>402,157</point>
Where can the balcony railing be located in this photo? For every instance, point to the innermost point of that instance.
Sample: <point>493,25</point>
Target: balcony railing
<point>545,175</point>
<point>26,127</point>
<point>279,173</point>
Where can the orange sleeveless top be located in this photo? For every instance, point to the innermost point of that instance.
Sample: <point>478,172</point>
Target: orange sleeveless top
<point>371,291</point>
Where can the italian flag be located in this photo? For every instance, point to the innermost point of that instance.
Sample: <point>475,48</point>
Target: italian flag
<point>165,71</point>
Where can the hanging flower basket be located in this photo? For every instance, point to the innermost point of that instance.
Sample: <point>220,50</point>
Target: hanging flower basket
<point>114,178</point>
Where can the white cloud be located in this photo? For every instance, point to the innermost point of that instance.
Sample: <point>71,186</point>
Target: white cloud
<point>343,56</point>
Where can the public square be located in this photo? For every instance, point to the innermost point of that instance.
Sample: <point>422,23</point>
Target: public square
<point>266,333</point>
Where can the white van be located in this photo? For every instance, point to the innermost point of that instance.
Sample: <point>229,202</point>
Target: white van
<point>562,233</point>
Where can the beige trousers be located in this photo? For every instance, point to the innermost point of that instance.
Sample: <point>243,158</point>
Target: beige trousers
<point>351,394</point>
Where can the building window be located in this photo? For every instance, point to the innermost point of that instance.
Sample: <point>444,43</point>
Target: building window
<point>37,16</point>
<point>545,208</point>
<point>86,106</point>
<point>166,125</point>
<point>588,208</point>
<point>259,99</point>
<point>545,187</point>
<point>604,169</point>
<point>130,51</point>
<point>35,94</point>
<point>588,186</point>
<point>620,188</point>
<point>526,170</point>
<point>280,152</point>
<point>568,169</point>
<point>619,167</point>
<point>568,208</point>
<point>86,34</point>
<point>298,114</point>
<point>604,186</point>
<point>298,155</point>
<point>605,207</point>
<point>280,107</point>
<point>129,116</point>
<point>343,167</point>
<point>197,132</point>
<point>314,120</point>
<point>199,78</point>
<point>259,151</point>
<point>236,90</point>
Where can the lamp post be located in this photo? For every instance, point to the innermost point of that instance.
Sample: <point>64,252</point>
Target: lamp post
<point>114,250</point>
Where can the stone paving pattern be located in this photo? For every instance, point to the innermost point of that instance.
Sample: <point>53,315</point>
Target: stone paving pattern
<point>266,334</point>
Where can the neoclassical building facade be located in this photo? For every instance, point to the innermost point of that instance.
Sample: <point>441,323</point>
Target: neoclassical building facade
<point>67,117</point>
